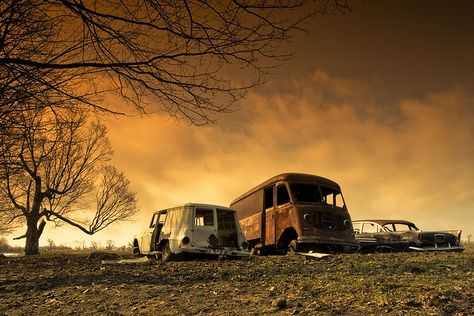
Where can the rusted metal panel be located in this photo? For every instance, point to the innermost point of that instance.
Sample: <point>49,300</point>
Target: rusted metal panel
<point>252,226</point>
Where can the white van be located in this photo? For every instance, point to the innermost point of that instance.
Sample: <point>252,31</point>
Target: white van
<point>192,228</point>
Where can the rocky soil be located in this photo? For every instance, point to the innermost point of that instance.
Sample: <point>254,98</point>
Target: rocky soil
<point>389,283</point>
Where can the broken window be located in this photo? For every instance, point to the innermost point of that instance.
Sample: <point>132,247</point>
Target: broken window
<point>162,218</point>
<point>401,227</point>
<point>306,193</point>
<point>204,217</point>
<point>268,197</point>
<point>357,227</point>
<point>369,228</point>
<point>332,197</point>
<point>154,220</point>
<point>225,220</point>
<point>226,228</point>
<point>282,195</point>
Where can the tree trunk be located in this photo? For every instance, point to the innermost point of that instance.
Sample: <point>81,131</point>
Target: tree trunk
<point>33,234</point>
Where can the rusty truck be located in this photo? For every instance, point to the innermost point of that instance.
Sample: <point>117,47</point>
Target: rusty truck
<point>296,212</point>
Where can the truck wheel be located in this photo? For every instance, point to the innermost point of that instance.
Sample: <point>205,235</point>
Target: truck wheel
<point>167,255</point>
<point>292,247</point>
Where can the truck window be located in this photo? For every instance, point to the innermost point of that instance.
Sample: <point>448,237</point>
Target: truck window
<point>282,195</point>
<point>204,217</point>
<point>306,193</point>
<point>332,197</point>
<point>268,198</point>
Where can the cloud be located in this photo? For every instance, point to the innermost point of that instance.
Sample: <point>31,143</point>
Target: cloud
<point>410,160</point>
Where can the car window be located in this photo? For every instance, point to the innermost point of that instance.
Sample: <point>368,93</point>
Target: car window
<point>369,228</point>
<point>401,227</point>
<point>357,227</point>
<point>204,217</point>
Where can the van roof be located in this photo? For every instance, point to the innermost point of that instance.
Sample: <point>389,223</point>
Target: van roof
<point>203,205</point>
<point>293,177</point>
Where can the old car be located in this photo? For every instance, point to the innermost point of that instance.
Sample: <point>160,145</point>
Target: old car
<point>381,235</point>
<point>192,229</point>
<point>296,212</point>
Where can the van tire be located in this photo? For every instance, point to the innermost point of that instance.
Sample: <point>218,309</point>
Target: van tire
<point>167,255</point>
<point>135,249</point>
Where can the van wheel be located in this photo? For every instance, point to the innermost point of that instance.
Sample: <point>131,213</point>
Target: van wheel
<point>136,250</point>
<point>292,247</point>
<point>167,255</point>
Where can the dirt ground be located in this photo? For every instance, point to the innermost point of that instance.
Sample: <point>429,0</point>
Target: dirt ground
<point>389,283</point>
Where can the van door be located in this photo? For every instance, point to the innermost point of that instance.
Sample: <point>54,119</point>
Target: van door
<point>146,240</point>
<point>268,216</point>
<point>205,228</point>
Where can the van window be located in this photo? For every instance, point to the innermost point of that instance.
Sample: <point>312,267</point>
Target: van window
<point>204,217</point>
<point>282,195</point>
<point>153,220</point>
<point>268,198</point>
<point>162,218</point>
<point>225,220</point>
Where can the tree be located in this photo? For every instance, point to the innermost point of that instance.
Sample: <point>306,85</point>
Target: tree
<point>110,244</point>
<point>183,55</point>
<point>51,244</point>
<point>58,170</point>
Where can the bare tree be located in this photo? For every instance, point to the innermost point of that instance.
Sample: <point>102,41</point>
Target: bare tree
<point>183,55</point>
<point>58,170</point>
<point>51,244</point>
<point>110,244</point>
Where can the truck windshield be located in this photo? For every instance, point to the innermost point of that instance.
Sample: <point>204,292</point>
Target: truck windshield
<point>312,193</point>
<point>306,193</point>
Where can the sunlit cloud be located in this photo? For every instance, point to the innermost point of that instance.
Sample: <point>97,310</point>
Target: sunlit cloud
<point>410,160</point>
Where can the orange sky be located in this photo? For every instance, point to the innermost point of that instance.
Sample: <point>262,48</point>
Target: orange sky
<point>380,101</point>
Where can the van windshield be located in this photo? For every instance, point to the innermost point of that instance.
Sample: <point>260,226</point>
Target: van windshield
<point>312,193</point>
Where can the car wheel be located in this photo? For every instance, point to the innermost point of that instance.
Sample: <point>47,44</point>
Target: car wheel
<point>167,255</point>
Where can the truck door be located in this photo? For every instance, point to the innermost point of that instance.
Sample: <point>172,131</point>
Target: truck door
<point>282,210</point>
<point>268,218</point>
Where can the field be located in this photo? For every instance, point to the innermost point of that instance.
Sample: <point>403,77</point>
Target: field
<point>390,283</point>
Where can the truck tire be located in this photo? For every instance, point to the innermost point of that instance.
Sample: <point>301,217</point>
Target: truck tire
<point>292,247</point>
